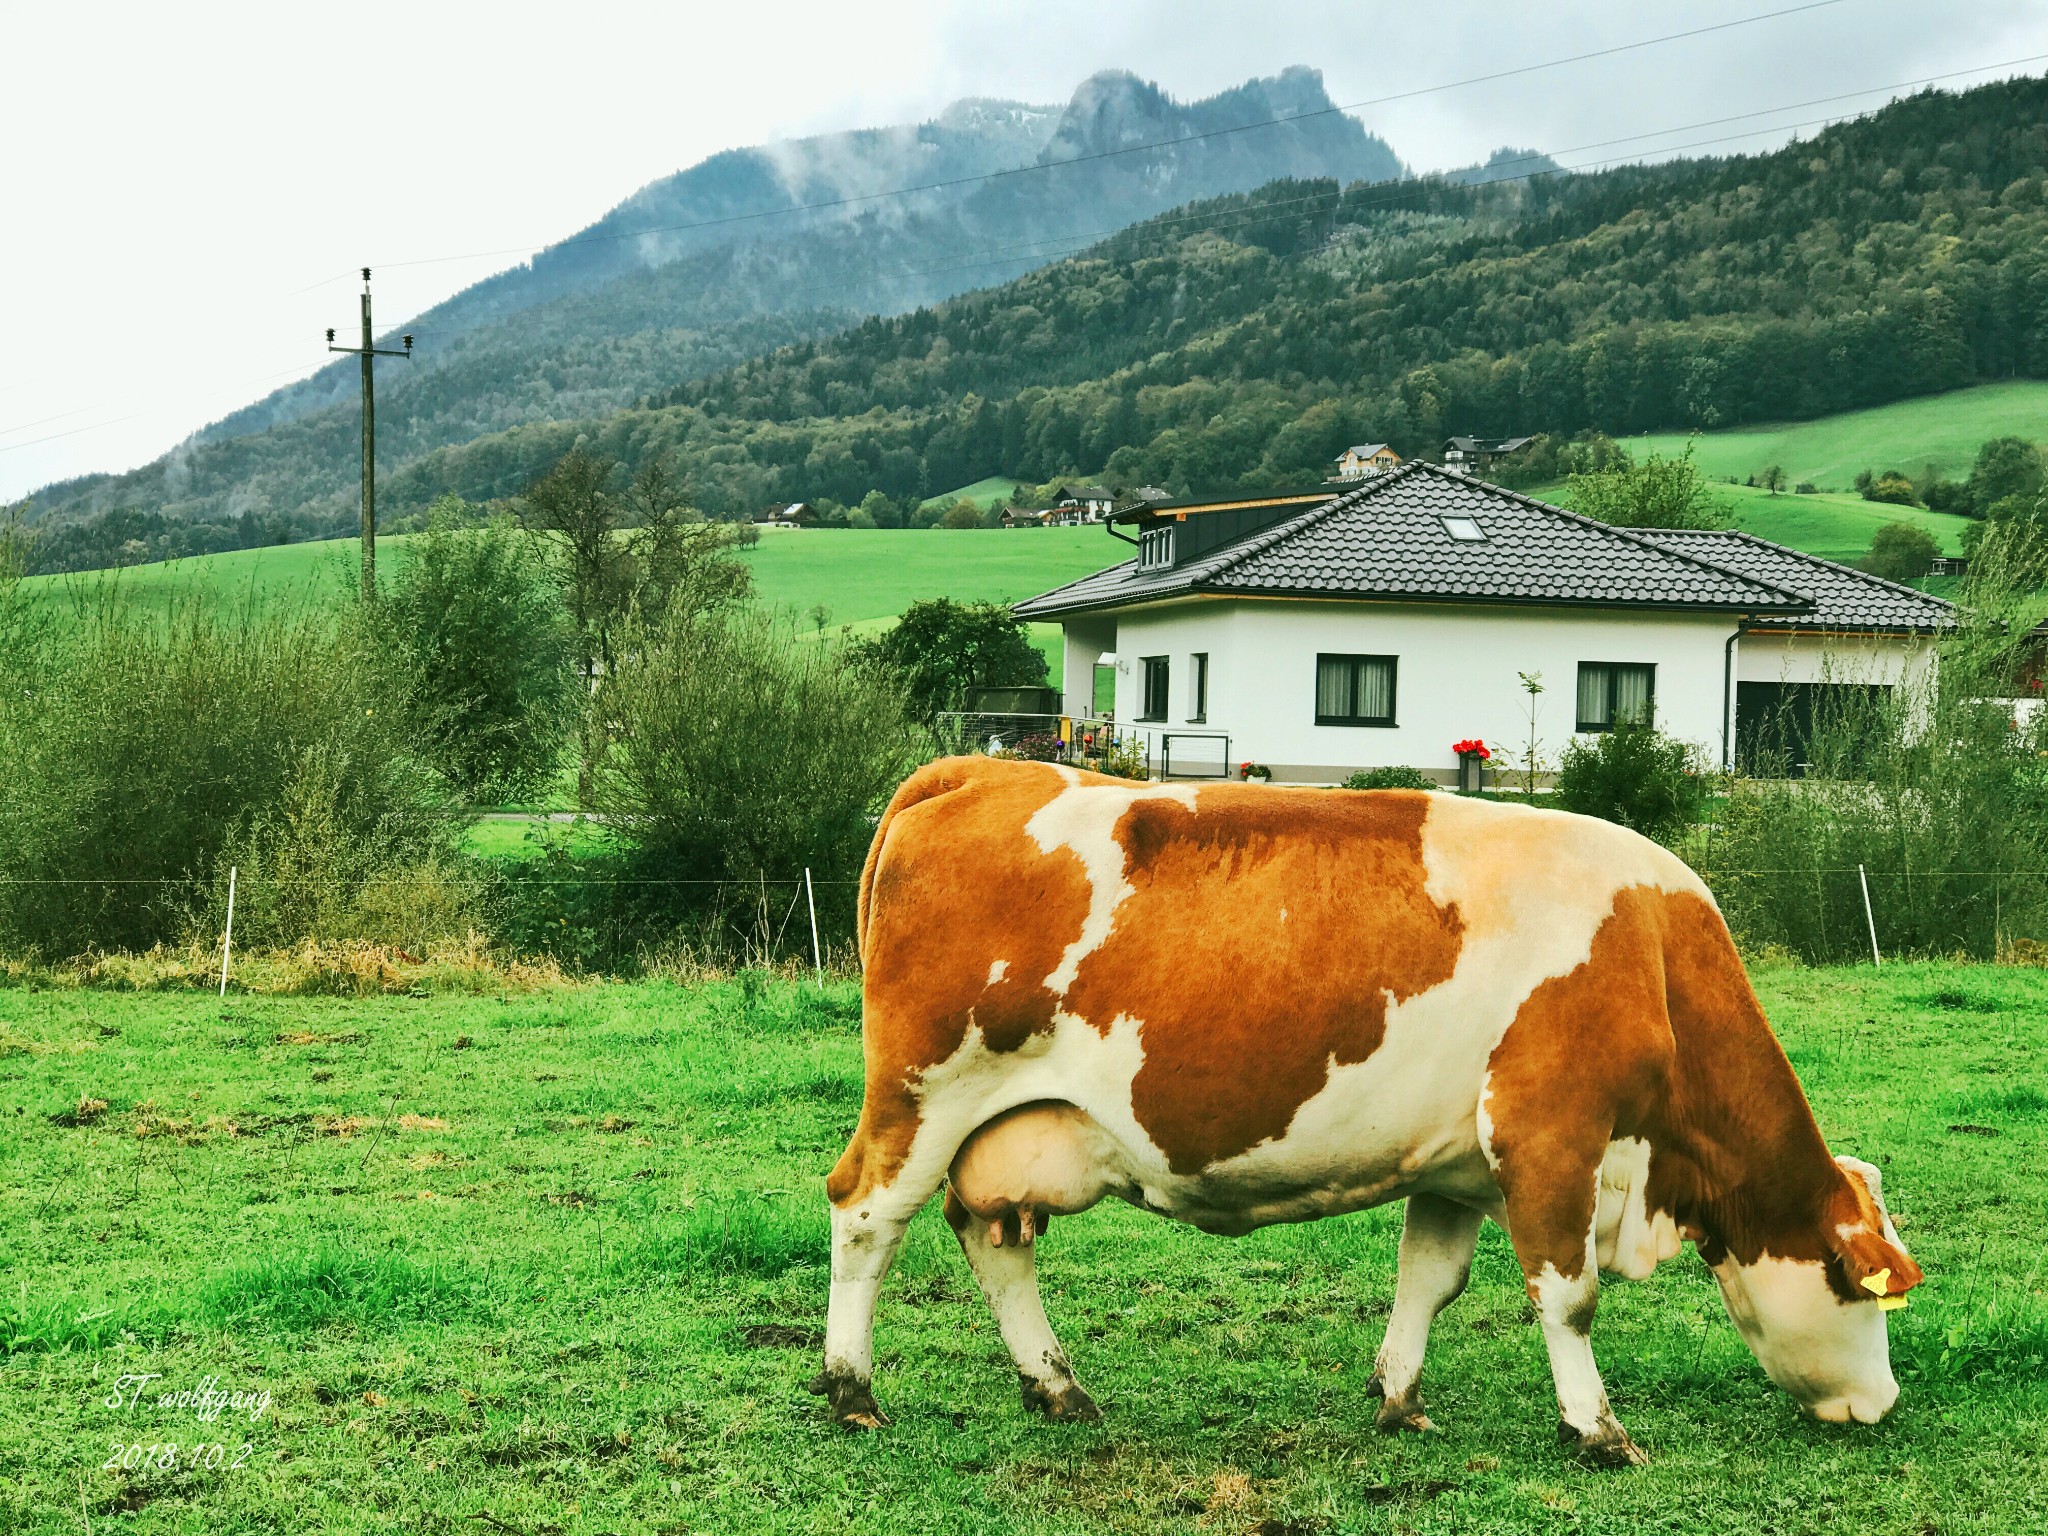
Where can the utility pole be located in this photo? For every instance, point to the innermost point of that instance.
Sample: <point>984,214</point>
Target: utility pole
<point>367,351</point>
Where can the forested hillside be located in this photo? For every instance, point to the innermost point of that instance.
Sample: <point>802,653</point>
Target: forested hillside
<point>1247,339</point>
<point>709,267</point>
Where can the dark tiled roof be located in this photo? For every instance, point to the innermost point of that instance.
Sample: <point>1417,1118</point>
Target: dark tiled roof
<point>1387,539</point>
<point>1843,598</point>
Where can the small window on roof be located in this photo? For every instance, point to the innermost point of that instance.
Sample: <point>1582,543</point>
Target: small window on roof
<point>1465,529</point>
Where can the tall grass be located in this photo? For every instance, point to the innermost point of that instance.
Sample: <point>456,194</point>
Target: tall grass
<point>1933,794</point>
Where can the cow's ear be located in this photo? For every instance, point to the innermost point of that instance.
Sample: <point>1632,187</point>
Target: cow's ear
<point>1861,1234</point>
<point>1873,1264</point>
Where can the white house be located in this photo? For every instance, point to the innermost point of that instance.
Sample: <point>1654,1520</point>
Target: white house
<point>1325,634</point>
<point>1362,459</point>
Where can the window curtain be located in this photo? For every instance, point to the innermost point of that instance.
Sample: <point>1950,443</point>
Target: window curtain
<point>1333,686</point>
<point>1632,695</point>
<point>1594,704</point>
<point>1375,690</point>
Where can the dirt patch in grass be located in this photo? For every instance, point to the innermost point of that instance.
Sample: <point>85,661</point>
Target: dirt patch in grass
<point>782,1336</point>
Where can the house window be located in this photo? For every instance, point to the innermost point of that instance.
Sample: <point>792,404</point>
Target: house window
<point>1155,549</point>
<point>1198,687</point>
<point>1354,690</point>
<point>1615,693</point>
<point>1157,673</point>
<point>1465,530</point>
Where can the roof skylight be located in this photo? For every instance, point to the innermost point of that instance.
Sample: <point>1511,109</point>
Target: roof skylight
<point>1465,529</point>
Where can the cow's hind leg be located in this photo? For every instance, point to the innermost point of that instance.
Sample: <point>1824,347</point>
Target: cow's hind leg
<point>1437,1243</point>
<point>869,1218</point>
<point>1008,1277</point>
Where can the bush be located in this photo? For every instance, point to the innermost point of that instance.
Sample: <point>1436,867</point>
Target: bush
<point>1890,487</point>
<point>1637,776</point>
<point>142,756</point>
<point>737,753</point>
<point>477,621</point>
<point>1900,552</point>
<point>1396,777</point>
<point>1657,493</point>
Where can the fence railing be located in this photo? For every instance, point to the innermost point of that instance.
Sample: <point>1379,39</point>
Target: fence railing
<point>1120,746</point>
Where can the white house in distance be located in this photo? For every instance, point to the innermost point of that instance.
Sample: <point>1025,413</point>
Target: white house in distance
<point>1327,632</point>
<point>1362,459</point>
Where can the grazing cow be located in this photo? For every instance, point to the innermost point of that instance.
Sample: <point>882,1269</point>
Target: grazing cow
<point>1237,1005</point>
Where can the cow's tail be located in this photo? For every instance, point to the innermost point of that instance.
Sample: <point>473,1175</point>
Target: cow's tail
<point>928,783</point>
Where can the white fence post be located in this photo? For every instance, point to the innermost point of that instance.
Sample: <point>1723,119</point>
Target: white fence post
<point>227,937</point>
<point>817,954</point>
<point>1875,958</point>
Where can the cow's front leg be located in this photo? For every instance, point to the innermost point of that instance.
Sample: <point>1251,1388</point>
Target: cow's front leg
<point>1565,1305</point>
<point>1437,1242</point>
<point>1008,1277</point>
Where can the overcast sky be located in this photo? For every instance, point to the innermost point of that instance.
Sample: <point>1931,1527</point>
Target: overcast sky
<point>186,186</point>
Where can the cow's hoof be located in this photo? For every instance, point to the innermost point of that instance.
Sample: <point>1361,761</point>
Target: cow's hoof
<point>852,1404</point>
<point>1067,1403</point>
<point>1402,1413</point>
<point>1608,1445</point>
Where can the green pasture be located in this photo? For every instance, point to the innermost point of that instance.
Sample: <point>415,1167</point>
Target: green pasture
<point>1944,431</point>
<point>555,1263</point>
<point>1831,525</point>
<point>983,493</point>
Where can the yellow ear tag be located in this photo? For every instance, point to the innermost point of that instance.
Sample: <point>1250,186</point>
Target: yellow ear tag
<point>1890,1303</point>
<point>1875,1284</point>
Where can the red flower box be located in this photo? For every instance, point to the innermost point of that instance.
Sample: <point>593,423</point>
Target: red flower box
<point>1472,748</point>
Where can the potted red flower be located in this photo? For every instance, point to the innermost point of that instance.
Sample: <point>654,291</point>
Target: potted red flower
<point>1472,757</point>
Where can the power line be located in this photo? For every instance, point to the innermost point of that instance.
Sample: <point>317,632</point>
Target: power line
<point>1108,154</point>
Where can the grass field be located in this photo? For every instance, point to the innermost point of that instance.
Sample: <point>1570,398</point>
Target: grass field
<point>1942,430</point>
<point>555,1264</point>
<point>1831,525</point>
<point>983,493</point>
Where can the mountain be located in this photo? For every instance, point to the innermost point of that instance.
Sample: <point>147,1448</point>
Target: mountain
<point>727,260</point>
<point>1243,341</point>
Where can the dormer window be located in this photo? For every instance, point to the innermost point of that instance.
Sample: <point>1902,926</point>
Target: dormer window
<point>1465,530</point>
<point>1155,549</point>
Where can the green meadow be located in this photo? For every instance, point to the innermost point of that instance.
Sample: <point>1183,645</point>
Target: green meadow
<point>555,1263</point>
<point>1941,431</point>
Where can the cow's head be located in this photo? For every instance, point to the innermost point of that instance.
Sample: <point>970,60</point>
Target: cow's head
<point>1817,1326</point>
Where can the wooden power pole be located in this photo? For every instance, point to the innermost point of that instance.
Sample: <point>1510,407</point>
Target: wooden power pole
<point>369,351</point>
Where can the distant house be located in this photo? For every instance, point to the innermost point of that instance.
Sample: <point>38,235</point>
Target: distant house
<point>1362,459</point>
<point>1020,517</point>
<point>1321,633</point>
<point>1080,503</point>
<point>1476,455</point>
<point>797,514</point>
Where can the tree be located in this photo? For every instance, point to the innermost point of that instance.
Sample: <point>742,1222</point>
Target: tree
<point>2006,466</point>
<point>1773,479</point>
<point>939,649</point>
<point>1657,493</point>
<point>1900,552</point>
<point>477,624</point>
<point>2009,550</point>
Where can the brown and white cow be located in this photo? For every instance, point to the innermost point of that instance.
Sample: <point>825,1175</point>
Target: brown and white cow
<point>1235,1005</point>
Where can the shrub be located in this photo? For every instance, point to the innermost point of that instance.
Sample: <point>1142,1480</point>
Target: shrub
<point>739,754</point>
<point>1900,552</point>
<point>1637,776</point>
<point>1396,777</point>
<point>143,755</point>
<point>1892,488</point>
<point>1806,488</point>
<point>476,619</point>
<point>1657,493</point>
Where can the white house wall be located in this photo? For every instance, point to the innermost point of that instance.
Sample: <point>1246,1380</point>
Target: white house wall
<point>1456,676</point>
